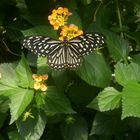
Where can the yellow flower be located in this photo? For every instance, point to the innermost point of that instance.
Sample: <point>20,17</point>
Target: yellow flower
<point>39,83</point>
<point>59,17</point>
<point>0,75</point>
<point>43,87</point>
<point>36,85</point>
<point>69,32</point>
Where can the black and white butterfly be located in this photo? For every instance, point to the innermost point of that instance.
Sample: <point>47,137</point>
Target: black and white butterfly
<point>64,54</point>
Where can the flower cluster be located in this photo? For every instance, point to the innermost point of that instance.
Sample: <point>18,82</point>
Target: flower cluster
<point>69,32</point>
<point>39,83</point>
<point>58,19</point>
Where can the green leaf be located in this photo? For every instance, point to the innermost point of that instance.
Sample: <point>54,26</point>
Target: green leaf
<point>42,66</point>
<point>2,119</point>
<point>70,5</point>
<point>136,59</point>
<point>32,128</point>
<point>101,137</point>
<point>8,75</point>
<point>106,123</point>
<point>131,100</point>
<point>125,73</point>
<point>75,130</point>
<point>53,102</point>
<point>118,47</point>
<point>86,2</point>
<point>54,132</point>
<point>6,91</point>
<point>106,100</point>
<point>81,94</point>
<point>60,78</point>
<point>41,30</point>
<point>95,71</point>
<point>20,99</point>
<point>4,104</point>
<point>14,135</point>
<point>24,73</point>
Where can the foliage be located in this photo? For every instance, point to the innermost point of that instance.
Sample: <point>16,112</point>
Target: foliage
<point>98,101</point>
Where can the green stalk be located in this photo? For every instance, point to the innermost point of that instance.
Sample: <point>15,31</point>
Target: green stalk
<point>119,17</point>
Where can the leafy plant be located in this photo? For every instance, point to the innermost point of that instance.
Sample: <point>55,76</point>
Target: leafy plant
<point>98,101</point>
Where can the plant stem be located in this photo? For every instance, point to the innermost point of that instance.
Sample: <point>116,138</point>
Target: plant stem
<point>119,17</point>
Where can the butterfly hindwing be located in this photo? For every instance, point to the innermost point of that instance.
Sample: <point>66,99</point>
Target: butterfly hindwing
<point>64,57</point>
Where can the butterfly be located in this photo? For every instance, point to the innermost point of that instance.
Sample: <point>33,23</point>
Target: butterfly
<point>67,54</point>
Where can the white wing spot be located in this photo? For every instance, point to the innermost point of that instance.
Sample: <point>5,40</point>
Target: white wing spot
<point>96,34</point>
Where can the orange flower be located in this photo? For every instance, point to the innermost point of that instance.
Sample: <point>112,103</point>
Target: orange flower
<point>69,32</point>
<point>37,77</point>
<point>59,17</point>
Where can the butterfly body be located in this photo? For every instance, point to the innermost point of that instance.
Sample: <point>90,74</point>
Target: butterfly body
<point>67,54</point>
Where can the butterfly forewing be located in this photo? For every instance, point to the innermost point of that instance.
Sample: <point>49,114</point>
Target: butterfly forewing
<point>86,43</point>
<point>40,45</point>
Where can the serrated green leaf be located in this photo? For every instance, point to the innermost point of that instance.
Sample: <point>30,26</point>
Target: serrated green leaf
<point>53,102</point>
<point>41,30</point>
<point>20,99</point>
<point>106,100</point>
<point>131,100</point>
<point>8,75</point>
<point>125,73</point>
<point>76,130</point>
<point>32,128</point>
<point>6,91</point>
<point>95,71</point>
<point>105,123</point>
<point>118,47</point>
<point>24,73</point>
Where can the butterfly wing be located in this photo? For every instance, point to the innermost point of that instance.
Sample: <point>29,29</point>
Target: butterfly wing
<point>67,54</point>
<point>64,56</point>
<point>40,45</point>
<point>86,43</point>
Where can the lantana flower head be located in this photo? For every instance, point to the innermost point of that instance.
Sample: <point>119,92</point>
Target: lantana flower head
<point>39,83</point>
<point>59,17</point>
<point>69,32</point>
